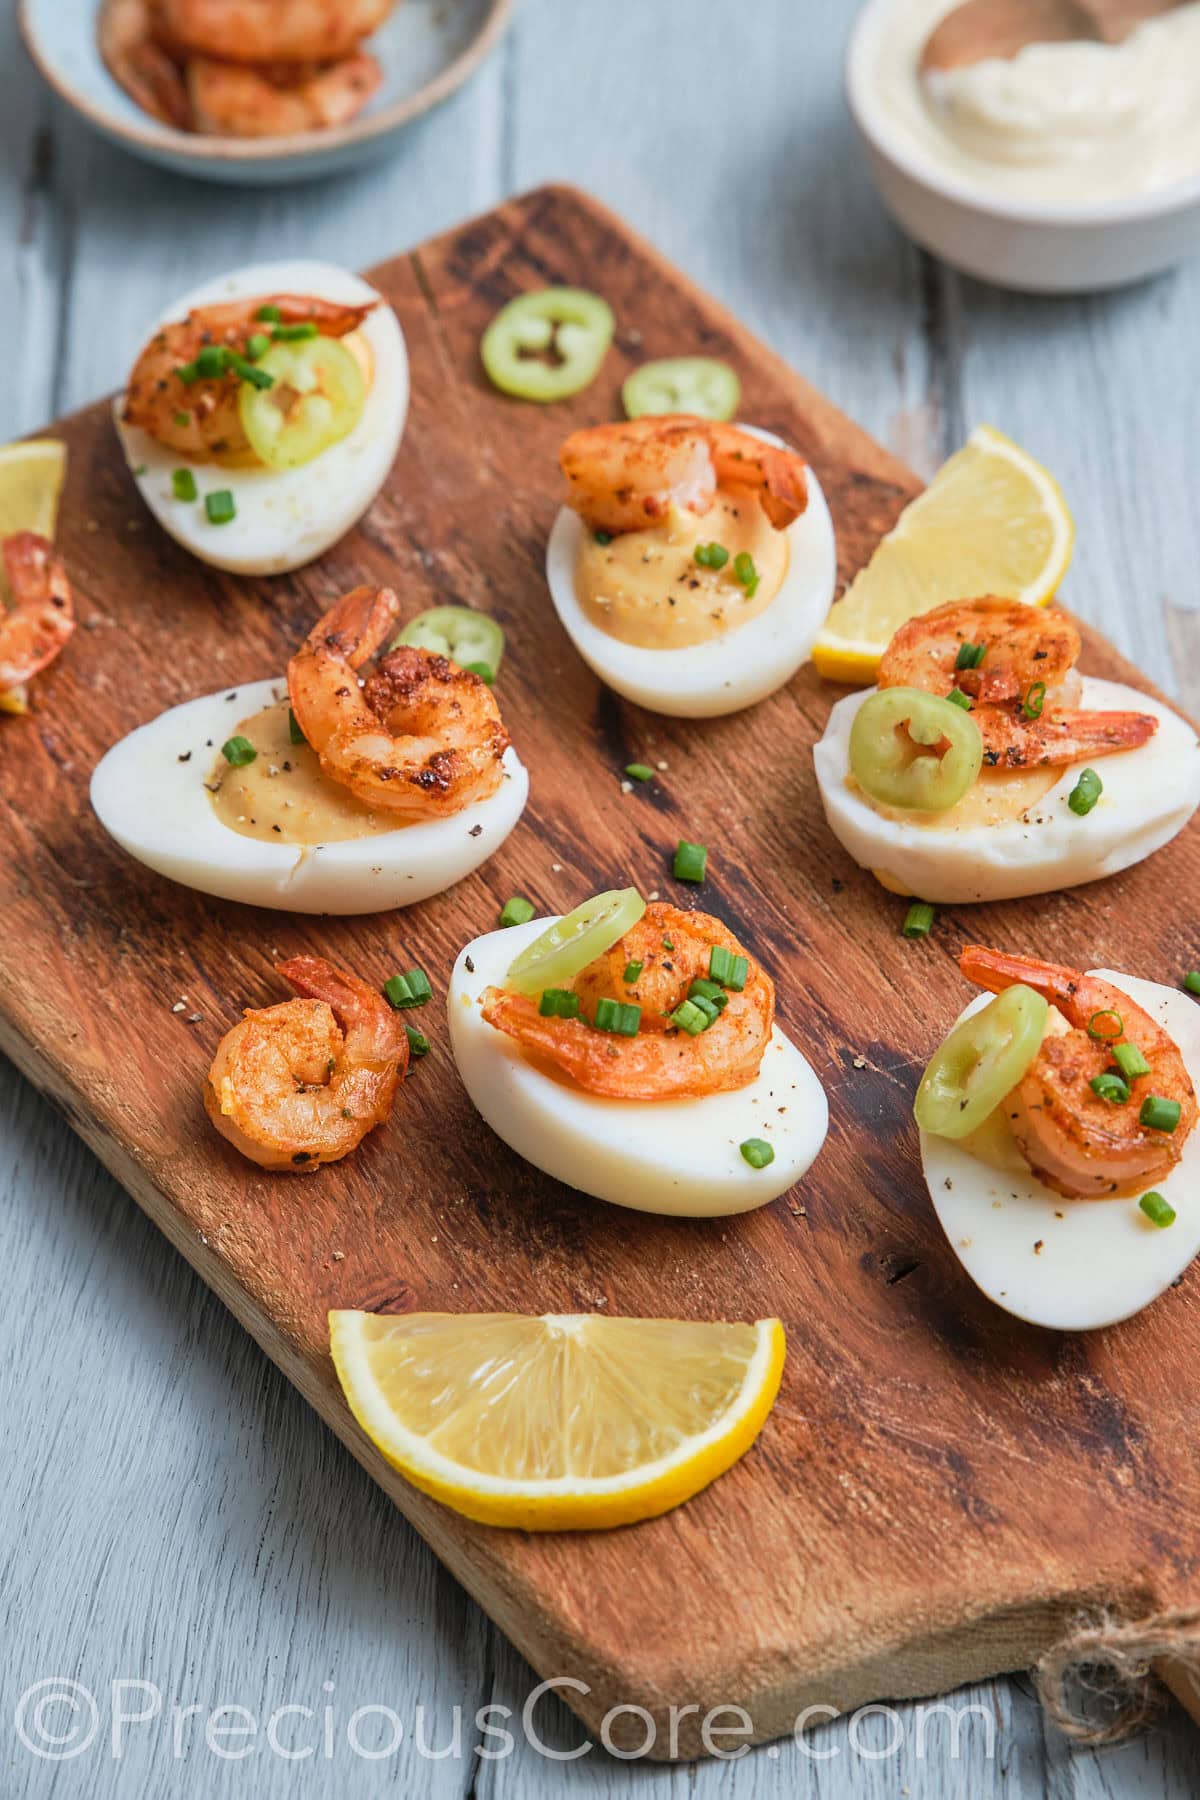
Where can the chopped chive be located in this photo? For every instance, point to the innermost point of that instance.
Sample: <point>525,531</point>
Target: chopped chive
<point>668,943</point>
<point>1130,1061</point>
<point>410,989</point>
<point>1084,795</point>
<point>183,482</point>
<point>1035,699</point>
<point>728,968</point>
<point>744,570</point>
<point>212,362</point>
<point>617,1017</point>
<point>559,1003</point>
<point>1109,1087</point>
<point>632,971</point>
<point>188,373</point>
<point>295,334</point>
<point>1159,1211</point>
<point>418,1043</point>
<point>183,420</point>
<point>691,861</point>
<point>958,698</point>
<point>1159,1114</point>
<point>711,556</point>
<point>918,920</point>
<point>603,537</point>
<point>484,670</point>
<point>639,771</point>
<point>258,345</point>
<point>709,1008</point>
<point>246,371</point>
<point>710,991</point>
<point>220,507</point>
<point>1106,1026</point>
<point>238,751</point>
<point>294,731</point>
<point>517,911</point>
<point>757,1152</point>
<point>1191,981</point>
<point>690,1018</point>
<point>970,656</point>
<point>268,315</point>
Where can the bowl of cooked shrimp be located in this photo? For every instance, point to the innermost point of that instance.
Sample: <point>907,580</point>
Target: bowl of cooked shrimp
<point>258,91</point>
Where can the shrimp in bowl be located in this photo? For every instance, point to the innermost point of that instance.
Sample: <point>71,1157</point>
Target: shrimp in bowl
<point>263,413</point>
<point>631,1051</point>
<point>374,774</point>
<point>1058,1138</point>
<point>693,562</point>
<point>985,766</point>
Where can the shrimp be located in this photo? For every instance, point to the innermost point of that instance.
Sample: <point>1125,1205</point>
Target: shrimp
<point>132,45</point>
<point>420,738</point>
<point>42,617</point>
<point>626,476</point>
<point>243,100</point>
<point>302,1083</point>
<point>199,419</point>
<point>1025,648</point>
<point>1077,1143</point>
<point>662,1062</point>
<point>272,31</point>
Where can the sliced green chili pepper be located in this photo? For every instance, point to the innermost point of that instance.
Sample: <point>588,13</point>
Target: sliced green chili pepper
<point>547,345</point>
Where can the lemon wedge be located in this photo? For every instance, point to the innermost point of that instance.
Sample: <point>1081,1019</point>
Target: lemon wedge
<point>31,480</point>
<point>992,521</point>
<point>567,1422</point>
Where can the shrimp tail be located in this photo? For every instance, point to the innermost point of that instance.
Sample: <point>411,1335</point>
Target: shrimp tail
<point>378,1033</point>
<point>996,970</point>
<point>356,625</point>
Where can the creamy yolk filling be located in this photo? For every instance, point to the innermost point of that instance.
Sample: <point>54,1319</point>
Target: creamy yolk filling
<point>282,796</point>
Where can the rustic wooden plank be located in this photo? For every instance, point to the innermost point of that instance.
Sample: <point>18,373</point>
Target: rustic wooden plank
<point>959,1522</point>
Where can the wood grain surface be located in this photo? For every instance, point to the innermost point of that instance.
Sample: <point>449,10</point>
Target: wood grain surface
<point>938,1486</point>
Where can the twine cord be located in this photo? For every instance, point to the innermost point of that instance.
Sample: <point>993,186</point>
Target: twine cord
<point>1111,1662</point>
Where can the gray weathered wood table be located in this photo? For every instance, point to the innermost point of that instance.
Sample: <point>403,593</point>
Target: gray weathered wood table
<point>173,1513</point>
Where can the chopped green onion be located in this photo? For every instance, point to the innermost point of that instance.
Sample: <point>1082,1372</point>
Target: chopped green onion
<point>485,672</point>
<point>709,1008</point>
<point>517,911</point>
<point>411,989</point>
<point>690,1018</point>
<point>212,362</point>
<point>246,371</point>
<point>258,345</point>
<point>639,771</point>
<point>728,968</point>
<point>188,373</point>
<point>184,484</point>
<point>757,1152</point>
<point>183,420</point>
<point>602,537</point>
<point>294,731</point>
<point>559,1003</point>
<point>1084,795</point>
<point>1159,1114</point>
<point>239,751</point>
<point>1035,699</point>
<point>970,656</point>
<point>668,943</point>
<point>1109,1087</point>
<point>295,334</point>
<point>220,507</point>
<point>960,699</point>
<point>418,1044</point>
<point>918,920</point>
<point>1157,1210</point>
<point>710,991</point>
<point>1096,1027</point>
<point>1130,1061</point>
<point>632,971</point>
<point>1191,981</point>
<point>691,861</point>
<point>711,556</point>
<point>269,315</point>
<point>745,573</point>
<point>617,1017</point>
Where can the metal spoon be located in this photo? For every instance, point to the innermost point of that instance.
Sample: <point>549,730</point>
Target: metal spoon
<point>981,29</point>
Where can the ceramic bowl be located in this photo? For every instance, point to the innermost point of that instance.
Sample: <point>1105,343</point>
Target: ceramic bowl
<point>427,49</point>
<point>1035,248</point>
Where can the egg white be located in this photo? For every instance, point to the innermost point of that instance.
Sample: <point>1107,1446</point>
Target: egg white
<point>1101,1261</point>
<point>730,672</point>
<point>679,1157</point>
<point>149,793</point>
<point>285,517</point>
<point>1149,795</point>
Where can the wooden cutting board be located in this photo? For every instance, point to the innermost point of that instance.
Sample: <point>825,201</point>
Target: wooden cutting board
<point>939,1487</point>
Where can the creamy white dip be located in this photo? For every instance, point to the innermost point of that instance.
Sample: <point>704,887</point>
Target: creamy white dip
<point>1059,123</point>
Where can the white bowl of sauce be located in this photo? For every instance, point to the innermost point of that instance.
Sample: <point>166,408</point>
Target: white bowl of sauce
<point>1070,168</point>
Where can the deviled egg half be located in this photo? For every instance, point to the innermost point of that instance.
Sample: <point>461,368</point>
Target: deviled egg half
<point>227,795</point>
<point>1058,1139</point>
<point>694,562</point>
<point>263,414</point>
<point>968,775</point>
<point>631,1051</point>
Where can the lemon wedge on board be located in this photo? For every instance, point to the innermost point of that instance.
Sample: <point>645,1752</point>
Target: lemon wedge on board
<point>568,1422</point>
<point>992,521</point>
<point>31,480</point>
